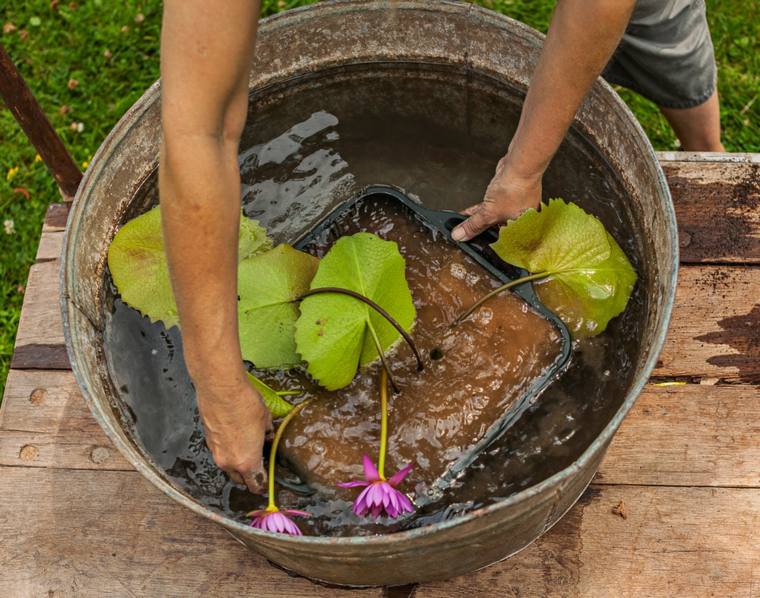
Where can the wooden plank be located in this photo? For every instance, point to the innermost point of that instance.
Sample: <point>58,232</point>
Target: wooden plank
<point>60,451</point>
<point>55,217</point>
<point>62,533</point>
<point>715,328</point>
<point>718,210</point>
<point>39,356</point>
<point>44,422</point>
<point>50,246</point>
<point>702,157</point>
<point>674,542</point>
<point>39,340</point>
<point>693,435</point>
<point>89,533</point>
<point>18,98</point>
<point>45,402</point>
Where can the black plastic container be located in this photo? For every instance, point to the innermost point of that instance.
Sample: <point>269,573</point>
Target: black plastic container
<point>441,223</point>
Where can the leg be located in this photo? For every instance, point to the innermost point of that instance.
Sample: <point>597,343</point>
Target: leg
<point>697,128</point>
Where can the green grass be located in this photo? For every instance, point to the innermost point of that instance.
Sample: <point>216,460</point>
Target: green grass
<point>113,54</point>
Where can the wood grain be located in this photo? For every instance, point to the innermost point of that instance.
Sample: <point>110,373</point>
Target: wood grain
<point>30,116</point>
<point>40,321</point>
<point>684,463</point>
<point>107,533</point>
<point>50,246</point>
<point>718,209</point>
<point>715,328</point>
<point>45,402</point>
<point>693,435</point>
<point>714,332</point>
<point>56,216</point>
<point>674,542</point>
<point>60,451</point>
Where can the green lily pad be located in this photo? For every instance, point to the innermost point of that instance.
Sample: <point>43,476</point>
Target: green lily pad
<point>137,261</point>
<point>335,334</point>
<point>589,278</point>
<point>268,286</point>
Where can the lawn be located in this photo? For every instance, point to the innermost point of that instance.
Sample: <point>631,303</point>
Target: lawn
<point>88,61</point>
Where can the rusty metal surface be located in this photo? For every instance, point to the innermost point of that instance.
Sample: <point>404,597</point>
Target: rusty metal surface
<point>306,41</point>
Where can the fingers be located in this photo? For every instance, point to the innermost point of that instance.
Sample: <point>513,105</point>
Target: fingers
<point>256,481</point>
<point>471,210</point>
<point>479,221</point>
<point>254,477</point>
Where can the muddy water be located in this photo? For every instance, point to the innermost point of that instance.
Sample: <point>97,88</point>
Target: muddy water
<point>475,373</point>
<point>317,142</point>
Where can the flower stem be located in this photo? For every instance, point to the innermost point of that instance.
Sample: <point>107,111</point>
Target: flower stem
<point>379,349</point>
<point>512,283</point>
<point>391,320</point>
<point>383,423</point>
<point>272,505</point>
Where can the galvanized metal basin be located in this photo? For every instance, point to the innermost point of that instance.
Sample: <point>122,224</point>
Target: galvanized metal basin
<point>328,37</point>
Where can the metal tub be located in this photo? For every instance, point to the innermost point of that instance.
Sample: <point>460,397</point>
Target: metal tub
<point>299,44</point>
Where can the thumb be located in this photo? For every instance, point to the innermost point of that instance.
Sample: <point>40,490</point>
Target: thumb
<point>473,226</point>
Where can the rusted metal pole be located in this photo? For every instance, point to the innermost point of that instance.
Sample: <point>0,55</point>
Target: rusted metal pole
<point>27,111</point>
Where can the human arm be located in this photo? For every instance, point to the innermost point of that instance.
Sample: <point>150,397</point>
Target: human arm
<point>206,52</point>
<point>582,37</point>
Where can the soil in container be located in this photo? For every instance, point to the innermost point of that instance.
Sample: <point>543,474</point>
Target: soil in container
<point>484,367</point>
<point>311,144</point>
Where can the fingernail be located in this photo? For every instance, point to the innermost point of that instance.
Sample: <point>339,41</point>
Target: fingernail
<point>260,480</point>
<point>458,233</point>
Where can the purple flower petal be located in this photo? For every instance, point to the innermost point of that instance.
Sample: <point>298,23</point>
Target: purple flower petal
<point>291,528</point>
<point>370,471</point>
<point>372,495</point>
<point>394,499</point>
<point>380,497</point>
<point>360,504</point>
<point>406,504</point>
<point>277,521</point>
<point>295,512</point>
<point>399,476</point>
<point>353,484</point>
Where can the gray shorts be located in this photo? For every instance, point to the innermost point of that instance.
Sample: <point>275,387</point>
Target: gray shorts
<point>666,54</point>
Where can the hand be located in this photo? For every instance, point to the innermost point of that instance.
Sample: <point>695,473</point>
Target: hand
<point>235,422</point>
<point>508,195</point>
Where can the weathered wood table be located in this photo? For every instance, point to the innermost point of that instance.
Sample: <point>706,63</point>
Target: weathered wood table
<point>674,510</point>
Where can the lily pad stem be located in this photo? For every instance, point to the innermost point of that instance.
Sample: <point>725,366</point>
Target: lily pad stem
<point>272,505</point>
<point>406,336</point>
<point>512,283</point>
<point>379,349</point>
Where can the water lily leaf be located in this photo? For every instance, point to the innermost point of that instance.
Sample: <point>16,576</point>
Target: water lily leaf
<point>138,266</point>
<point>268,286</point>
<point>589,277</point>
<point>335,333</point>
<point>277,406</point>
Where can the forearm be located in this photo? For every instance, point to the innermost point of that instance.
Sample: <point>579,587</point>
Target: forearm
<point>206,51</point>
<point>200,202</point>
<point>582,37</point>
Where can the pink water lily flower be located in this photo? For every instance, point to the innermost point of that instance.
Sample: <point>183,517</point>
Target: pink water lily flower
<point>380,496</point>
<point>276,520</point>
